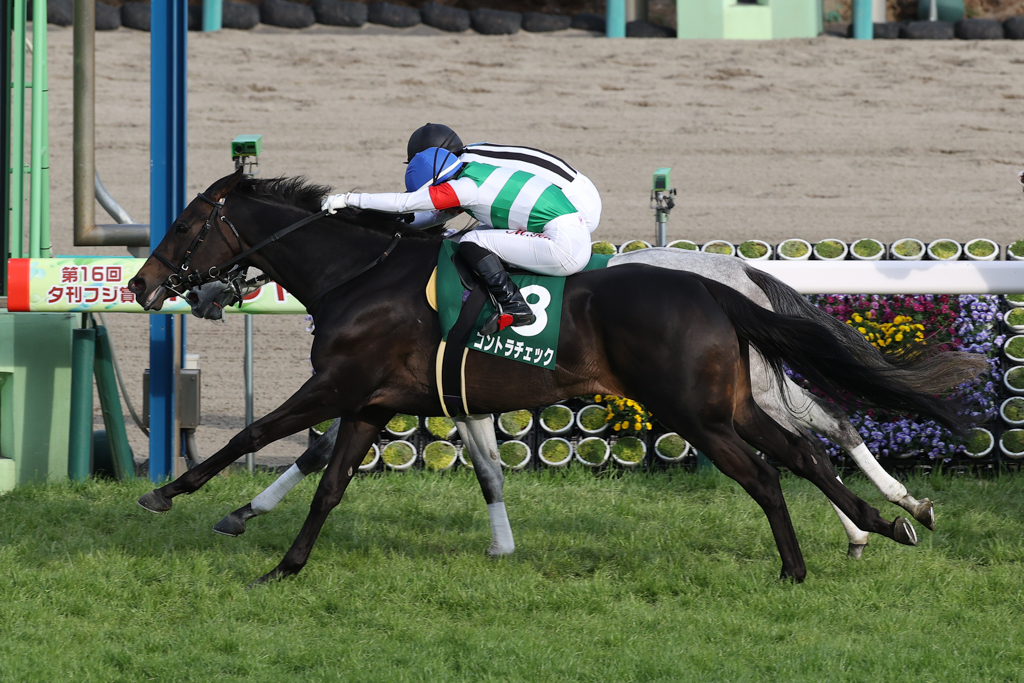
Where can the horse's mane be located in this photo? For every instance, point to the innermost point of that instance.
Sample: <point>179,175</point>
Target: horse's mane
<point>305,195</point>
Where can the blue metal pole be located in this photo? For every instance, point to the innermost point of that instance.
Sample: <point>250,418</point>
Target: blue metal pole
<point>863,28</point>
<point>615,19</point>
<point>212,14</point>
<point>168,36</point>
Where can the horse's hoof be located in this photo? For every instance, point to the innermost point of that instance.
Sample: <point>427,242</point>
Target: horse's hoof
<point>273,575</point>
<point>155,501</point>
<point>234,524</point>
<point>903,532</point>
<point>855,550</point>
<point>792,576</point>
<point>925,514</point>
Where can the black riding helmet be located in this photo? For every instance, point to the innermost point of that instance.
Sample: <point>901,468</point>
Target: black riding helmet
<point>433,135</point>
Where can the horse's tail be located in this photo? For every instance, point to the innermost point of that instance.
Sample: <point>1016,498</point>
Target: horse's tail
<point>843,364</point>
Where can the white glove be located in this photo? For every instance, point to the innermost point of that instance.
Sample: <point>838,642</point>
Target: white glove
<point>334,202</point>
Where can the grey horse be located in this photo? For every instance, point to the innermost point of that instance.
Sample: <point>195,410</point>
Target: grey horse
<point>790,405</point>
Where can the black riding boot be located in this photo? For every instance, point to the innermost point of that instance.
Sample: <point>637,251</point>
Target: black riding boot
<point>512,307</point>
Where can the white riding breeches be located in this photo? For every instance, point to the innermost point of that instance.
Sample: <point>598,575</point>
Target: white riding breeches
<point>587,200</point>
<point>562,249</point>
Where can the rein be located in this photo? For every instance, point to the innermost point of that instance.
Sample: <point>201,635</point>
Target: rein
<point>181,276</point>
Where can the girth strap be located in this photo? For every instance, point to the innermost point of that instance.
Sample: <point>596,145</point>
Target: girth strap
<point>451,380</point>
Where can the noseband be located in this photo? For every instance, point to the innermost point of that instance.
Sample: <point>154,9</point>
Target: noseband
<point>181,279</point>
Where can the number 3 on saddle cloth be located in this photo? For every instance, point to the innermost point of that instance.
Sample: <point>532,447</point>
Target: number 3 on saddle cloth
<point>463,312</point>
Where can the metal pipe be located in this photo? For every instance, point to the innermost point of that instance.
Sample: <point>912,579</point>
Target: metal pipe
<point>615,19</point>
<point>636,10</point>
<point>17,197</point>
<point>863,29</point>
<point>110,204</point>
<point>39,123</point>
<point>212,10</point>
<point>250,458</point>
<point>110,405</point>
<point>5,139</point>
<point>87,232</point>
<point>83,358</point>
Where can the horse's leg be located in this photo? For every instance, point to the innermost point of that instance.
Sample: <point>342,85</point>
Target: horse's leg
<point>312,460</point>
<point>791,413</point>
<point>477,432</point>
<point>354,438</point>
<point>312,403</point>
<point>796,453</point>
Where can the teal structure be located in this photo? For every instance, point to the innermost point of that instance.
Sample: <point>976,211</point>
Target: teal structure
<point>767,20</point>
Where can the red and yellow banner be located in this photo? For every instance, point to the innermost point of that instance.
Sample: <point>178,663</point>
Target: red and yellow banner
<point>100,285</point>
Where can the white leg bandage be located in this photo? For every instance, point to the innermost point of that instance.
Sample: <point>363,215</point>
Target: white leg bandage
<point>268,500</point>
<point>501,532</point>
<point>890,488</point>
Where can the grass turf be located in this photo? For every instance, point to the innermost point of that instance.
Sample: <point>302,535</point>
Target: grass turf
<point>665,577</point>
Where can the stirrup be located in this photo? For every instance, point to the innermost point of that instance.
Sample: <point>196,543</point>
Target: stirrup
<point>496,323</point>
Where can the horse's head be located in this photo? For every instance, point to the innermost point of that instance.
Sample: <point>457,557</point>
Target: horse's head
<point>199,239</point>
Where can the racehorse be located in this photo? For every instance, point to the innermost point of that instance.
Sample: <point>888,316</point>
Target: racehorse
<point>676,342</point>
<point>793,407</point>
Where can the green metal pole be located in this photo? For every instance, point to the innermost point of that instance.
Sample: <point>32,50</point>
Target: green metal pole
<point>17,169</point>
<point>83,360</point>
<point>5,139</point>
<point>110,404</point>
<point>38,150</point>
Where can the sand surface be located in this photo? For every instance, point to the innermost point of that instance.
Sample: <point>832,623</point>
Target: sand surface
<point>802,138</point>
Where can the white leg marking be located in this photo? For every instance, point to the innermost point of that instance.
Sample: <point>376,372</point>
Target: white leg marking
<point>272,495</point>
<point>893,490</point>
<point>501,532</point>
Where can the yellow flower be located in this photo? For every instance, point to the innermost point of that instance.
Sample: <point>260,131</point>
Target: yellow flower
<point>862,330</point>
<point>597,399</point>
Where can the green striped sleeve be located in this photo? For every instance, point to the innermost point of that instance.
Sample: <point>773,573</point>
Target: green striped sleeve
<point>476,172</point>
<point>503,202</point>
<point>550,205</point>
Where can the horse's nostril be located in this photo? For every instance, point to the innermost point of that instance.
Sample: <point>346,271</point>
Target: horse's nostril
<point>137,285</point>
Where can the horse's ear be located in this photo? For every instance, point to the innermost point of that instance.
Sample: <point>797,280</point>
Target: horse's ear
<point>226,185</point>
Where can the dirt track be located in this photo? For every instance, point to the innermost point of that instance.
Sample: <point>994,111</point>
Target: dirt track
<point>805,138</point>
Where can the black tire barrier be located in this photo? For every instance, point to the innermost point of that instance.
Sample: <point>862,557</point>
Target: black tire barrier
<point>538,22</point>
<point>445,18</point>
<point>889,30</point>
<point>339,13</point>
<point>396,16</point>
<point>135,15</point>
<point>644,29</point>
<point>239,15</point>
<point>978,29</point>
<point>586,21</point>
<point>286,14</point>
<point>60,12</point>
<point>108,17</point>
<point>1013,28</point>
<point>195,18</point>
<point>927,30</point>
<point>495,22</point>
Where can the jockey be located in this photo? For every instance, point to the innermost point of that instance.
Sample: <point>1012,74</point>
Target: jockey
<point>537,227</point>
<point>576,187</point>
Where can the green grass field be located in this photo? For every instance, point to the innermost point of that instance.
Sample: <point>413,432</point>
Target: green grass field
<point>666,577</point>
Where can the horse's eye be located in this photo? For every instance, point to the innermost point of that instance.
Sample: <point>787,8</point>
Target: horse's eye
<point>181,228</point>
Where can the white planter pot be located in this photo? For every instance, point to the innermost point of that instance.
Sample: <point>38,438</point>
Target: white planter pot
<point>373,463</point>
<point>1013,304</point>
<point>1007,452</point>
<point>434,444</point>
<point>614,250</point>
<point>663,458</point>
<point>1017,329</point>
<point>446,437</point>
<point>590,432</point>
<point>647,245</point>
<point>956,254</point>
<point>464,458</point>
<point>732,248</point>
<point>673,244</point>
<point>858,257</point>
<point>841,257</point>
<point>630,463</point>
<point>991,445</point>
<point>587,463</point>
<point>1012,359</point>
<point>803,257</point>
<point>1010,256</point>
<point>898,257</point>
<point>564,430</point>
<point>765,257</point>
<point>402,466</point>
<point>521,465</point>
<point>402,435</point>
<point>522,432</point>
<point>561,463</point>
<point>1016,372</point>
<point>991,257</point>
<point>1002,412</point>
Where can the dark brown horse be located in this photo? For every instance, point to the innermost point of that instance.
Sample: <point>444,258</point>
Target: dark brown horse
<point>676,342</point>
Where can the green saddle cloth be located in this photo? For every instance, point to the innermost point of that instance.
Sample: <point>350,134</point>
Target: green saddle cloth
<point>535,344</point>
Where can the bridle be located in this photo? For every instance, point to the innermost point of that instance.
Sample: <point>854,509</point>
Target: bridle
<point>182,280</point>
